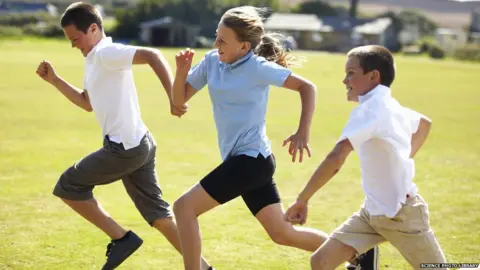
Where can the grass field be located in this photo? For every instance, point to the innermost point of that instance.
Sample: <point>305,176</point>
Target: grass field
<point>42,134</point>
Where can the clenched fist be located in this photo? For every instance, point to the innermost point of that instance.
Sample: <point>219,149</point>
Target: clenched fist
<point>46,71</point>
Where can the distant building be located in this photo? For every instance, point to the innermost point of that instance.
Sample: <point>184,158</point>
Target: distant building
<point>410,34</point>
<point>332,33</point>
<point>168,32</point>
<point>12,7</point>
<point>303,28</point>
<point>338,34</point>
<point>474,35</point>
<point>379,31</point>
<point>450,39</point>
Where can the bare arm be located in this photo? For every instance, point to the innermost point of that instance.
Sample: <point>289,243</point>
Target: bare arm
<point>419,137</point>
<point>78,97</point>
<point>298,211</point>
<point>155,59</point>
<point>72,93</point>
<point>182,91</point>
<point>181,94</point>
<point>308,94</point>
<point>327,169</point>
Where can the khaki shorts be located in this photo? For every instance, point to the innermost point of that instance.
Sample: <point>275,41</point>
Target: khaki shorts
<point>409,231</point>
<point>136,168</point>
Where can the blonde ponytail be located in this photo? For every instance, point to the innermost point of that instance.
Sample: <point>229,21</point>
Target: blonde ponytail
<point>272,49</point>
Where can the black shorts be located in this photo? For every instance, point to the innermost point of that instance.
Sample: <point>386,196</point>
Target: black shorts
<point>249,177</point>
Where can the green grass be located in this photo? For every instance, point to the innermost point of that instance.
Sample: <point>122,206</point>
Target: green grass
<point>42,134</point>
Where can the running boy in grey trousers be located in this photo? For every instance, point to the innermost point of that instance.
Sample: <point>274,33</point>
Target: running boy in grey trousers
<point>128,151</point>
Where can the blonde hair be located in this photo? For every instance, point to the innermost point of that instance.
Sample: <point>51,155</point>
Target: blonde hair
<point>246,22</point>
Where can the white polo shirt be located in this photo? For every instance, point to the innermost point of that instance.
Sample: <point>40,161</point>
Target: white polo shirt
<point>380,130</point>
<point>113,95</point>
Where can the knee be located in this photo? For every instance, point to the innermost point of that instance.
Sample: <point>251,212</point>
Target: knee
<point>67,201</point>
<point>163,223</point>
<point>281,237</point>
<point>181,206</point>
<point>318,262</point>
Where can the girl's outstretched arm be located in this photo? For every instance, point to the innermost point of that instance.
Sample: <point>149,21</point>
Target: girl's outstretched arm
<point>308,93</point>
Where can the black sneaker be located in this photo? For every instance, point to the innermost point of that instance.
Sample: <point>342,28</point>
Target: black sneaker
<point>119,250</point>
<point>366,261</point>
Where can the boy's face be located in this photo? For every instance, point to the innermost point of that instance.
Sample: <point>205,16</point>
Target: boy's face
<point>82,41</point>
<point>357,82</point>
<point>229,48</point>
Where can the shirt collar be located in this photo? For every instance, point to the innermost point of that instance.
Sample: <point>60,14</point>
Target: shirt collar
<point>104,41</point>
<point>378,90</point>
<point>239,61</point>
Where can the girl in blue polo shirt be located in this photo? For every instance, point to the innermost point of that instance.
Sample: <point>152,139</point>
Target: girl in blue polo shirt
<point>238,74</point>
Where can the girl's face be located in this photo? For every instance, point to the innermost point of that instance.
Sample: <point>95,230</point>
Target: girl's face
<point>229,48</point>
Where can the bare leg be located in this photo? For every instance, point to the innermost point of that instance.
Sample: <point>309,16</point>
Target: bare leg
<point>92,211</point>
<point>168,228</point>
<point>283,233</point>
<point>331,254</point>
<point>187,209</point>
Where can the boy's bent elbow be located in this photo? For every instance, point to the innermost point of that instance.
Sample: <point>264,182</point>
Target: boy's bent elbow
<point>87,106</point>
<point>152,56</point>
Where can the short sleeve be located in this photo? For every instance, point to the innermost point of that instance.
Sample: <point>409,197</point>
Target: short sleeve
<point>360,128</point>
<point>271,73</point>
<point>118,56</point>
<point>197,76</point>
<point>414,118</point>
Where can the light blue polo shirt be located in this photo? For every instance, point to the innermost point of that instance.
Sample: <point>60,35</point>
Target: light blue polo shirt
<point>239,94</point>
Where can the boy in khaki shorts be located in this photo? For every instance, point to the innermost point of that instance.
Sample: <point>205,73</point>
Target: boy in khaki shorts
<point>386,136</point>
<point>129,150</point>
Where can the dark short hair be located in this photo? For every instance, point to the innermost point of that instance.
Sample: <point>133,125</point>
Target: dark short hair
<point>376,57</point>
<point>82,15</point>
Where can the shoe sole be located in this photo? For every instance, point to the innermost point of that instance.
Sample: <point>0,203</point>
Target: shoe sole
<point>128,254</point>
<point>377,255</point>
